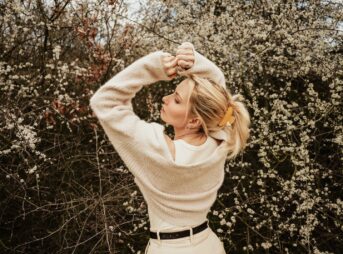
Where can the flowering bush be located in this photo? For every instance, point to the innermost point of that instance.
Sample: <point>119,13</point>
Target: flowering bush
<point>283,195</point>
<point>285,57</point>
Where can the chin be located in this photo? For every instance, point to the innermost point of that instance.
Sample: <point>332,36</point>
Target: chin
<point>162,118</point>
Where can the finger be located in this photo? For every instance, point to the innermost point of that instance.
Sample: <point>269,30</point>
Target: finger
<point>183,51</point>
<point>186,57</point>
<point>173,76</point>
<point>186,45</point>
<point>184,48</point>
<point>180,69</point>
<point>171,71</point>
<point>185,64</point>
<point>171,63</point>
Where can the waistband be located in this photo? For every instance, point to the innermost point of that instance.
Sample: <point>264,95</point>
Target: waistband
<point>179,234</point>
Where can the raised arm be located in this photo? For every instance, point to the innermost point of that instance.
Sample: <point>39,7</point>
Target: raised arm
<point>125,84</point>
<point>111,103</point>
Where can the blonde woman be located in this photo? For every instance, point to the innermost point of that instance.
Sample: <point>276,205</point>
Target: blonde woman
<point>179,178</point>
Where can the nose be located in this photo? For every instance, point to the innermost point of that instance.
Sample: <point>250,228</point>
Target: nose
<point>164,99</point>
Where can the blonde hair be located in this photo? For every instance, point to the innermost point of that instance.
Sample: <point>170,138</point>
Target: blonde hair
<point>209,102</point>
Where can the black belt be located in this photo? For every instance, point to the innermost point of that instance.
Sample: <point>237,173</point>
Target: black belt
<point>179,234</point>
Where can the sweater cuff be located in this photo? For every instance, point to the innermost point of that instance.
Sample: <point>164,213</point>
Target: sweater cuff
<point>205,68</point>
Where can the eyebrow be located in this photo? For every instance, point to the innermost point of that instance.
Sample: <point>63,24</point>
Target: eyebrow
<point>178,95</point>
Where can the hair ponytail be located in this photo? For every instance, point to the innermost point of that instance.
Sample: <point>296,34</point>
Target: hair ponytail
<point>209,101</point>
<point>239,131</point>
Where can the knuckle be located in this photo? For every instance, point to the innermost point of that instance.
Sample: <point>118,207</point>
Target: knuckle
<point>170,72</point>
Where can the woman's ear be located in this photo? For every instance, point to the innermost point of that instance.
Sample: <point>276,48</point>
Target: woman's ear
<point>194,123</point>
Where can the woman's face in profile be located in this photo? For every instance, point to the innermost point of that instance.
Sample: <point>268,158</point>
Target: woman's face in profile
<point>175,106</point>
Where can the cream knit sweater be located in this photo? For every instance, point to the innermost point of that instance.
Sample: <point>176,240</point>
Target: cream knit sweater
<point>179,194</point>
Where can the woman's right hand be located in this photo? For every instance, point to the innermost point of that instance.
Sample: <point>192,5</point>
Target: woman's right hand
<point>185,55</point>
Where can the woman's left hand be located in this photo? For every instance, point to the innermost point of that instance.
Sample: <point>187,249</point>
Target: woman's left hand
<point>169,65</point>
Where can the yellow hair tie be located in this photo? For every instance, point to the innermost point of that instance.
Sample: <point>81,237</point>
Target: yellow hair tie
<point>228,118</point>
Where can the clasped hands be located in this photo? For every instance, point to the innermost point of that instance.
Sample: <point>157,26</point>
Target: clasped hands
<point>184,59</point>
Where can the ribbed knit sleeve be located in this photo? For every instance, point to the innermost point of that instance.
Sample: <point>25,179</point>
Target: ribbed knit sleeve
<point>111,103</point>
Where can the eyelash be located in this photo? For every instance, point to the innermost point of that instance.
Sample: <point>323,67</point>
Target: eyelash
<point>176,100</point>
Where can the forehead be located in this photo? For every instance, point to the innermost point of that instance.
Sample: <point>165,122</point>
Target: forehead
<point>183,85</point>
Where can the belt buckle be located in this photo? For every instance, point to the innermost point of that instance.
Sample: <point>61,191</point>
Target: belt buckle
<point>158,236</point>
<point>191,234</point>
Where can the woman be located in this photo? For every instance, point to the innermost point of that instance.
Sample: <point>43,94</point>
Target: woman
<point>179,178</point>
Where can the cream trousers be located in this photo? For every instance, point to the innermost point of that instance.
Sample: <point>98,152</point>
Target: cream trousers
<point>205,242</point>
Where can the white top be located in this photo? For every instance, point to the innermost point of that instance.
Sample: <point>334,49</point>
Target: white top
<point>179,194</point>
<point>185,153</point>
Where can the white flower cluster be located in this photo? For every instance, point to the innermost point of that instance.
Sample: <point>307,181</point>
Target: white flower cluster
<point>57,52</point>
<point>285,57</point>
